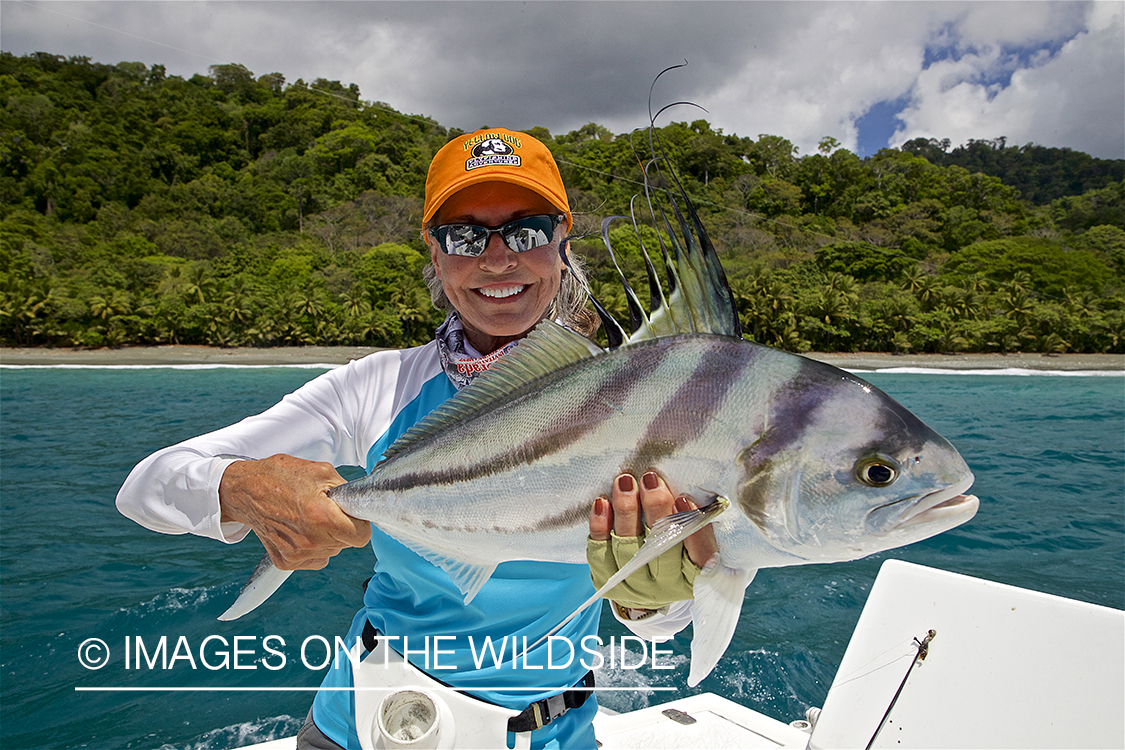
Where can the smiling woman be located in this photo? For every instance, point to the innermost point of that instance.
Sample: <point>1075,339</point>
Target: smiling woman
<point>494,223</point>
<point>500,294</point>
<point>503,288</point>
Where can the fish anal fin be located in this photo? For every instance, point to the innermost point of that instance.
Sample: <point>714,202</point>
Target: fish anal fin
<point>468,576</point>
<point>718,592</point>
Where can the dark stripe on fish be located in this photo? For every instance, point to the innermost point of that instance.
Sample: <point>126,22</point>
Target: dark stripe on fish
<point>691,409</point>
<point>581,419</point>
<point>794,405</point>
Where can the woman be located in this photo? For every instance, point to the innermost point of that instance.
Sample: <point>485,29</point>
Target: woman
<point>495,220</point>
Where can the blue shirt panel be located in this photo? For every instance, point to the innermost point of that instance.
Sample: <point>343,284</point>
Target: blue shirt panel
<point>413,600</point>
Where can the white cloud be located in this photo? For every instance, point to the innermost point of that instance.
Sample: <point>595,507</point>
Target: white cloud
<point>1075,98</point>
<point>802,70</point>
<point>827,75</point>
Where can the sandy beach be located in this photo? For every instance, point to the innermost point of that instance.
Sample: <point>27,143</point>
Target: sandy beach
<point>203,355</point>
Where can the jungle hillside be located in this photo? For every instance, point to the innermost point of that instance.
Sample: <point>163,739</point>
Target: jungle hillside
<point>234,209</point>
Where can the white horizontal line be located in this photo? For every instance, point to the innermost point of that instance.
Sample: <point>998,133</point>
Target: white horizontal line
<point>353,689</point>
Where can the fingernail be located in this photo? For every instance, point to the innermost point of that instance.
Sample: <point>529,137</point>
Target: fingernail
<point>625,483</point>
<point>651,481</point>
<point>599,506</point>
<point>684,503</point>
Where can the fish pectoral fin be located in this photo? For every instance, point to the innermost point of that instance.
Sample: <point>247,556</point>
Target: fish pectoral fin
<point>718,591</point>
<point>688,522</point>
<point>265,580</point>
<point>666,533</point>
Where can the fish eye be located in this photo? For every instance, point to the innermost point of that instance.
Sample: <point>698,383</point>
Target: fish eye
<point>876,472</point>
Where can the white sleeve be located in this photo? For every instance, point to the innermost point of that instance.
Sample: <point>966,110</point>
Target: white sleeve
<point>176,490</point>
<point>661,626</point>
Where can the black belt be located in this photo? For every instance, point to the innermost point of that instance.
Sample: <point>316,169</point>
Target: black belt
<point>536,716</point>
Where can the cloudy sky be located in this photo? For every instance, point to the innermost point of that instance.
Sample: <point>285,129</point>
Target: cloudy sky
<point>869,74</point>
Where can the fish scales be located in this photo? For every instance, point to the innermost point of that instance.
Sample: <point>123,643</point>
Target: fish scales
<point>549,450</point>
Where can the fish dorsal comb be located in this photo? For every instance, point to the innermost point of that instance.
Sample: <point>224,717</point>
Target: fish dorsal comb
<point>549,347</point>
<point>699,299</point>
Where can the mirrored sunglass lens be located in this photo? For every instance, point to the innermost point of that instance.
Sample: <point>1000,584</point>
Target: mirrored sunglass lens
<point>520,235</point>
<point>529,233</point>
<point>464,239</point>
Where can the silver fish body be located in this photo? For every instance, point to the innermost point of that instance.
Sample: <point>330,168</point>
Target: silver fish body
<point>818,465</point>
<point>783,437</point>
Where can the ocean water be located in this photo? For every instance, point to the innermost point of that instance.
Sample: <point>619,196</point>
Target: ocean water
<point>1048,453</point>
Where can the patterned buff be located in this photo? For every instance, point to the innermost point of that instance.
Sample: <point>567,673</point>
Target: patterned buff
<point>460,366</point>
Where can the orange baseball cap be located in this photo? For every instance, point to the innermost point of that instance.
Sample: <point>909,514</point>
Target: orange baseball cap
<point>494,155</point>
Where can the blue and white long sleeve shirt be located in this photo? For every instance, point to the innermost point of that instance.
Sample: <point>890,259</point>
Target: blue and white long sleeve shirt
<point>348,417</point>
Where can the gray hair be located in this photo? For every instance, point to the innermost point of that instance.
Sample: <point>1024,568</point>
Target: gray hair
<point>568,307</point>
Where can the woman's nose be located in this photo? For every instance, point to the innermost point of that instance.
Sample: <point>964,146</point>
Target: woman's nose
<point>497,256</point>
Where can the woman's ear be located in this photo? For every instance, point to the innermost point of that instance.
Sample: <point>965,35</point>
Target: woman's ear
<point>434,251</point>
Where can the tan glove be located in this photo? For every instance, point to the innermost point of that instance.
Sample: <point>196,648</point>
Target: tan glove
<point>668,578</point>
<point>617,532</point>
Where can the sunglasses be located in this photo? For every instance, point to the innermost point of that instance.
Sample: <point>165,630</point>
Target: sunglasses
<point>470,240</point>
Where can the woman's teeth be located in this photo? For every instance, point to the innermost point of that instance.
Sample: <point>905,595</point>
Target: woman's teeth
<point>502,291</point>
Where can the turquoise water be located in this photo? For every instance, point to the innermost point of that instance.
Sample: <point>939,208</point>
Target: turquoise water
<point>1048,453</point>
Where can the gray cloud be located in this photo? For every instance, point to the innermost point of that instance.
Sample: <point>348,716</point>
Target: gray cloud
<point>803,70</point>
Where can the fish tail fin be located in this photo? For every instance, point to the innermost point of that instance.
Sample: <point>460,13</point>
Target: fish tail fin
<point>719,592</point>
<point>265,580</point>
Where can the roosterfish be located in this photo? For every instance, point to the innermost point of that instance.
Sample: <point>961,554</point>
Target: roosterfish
<point>791,461</point>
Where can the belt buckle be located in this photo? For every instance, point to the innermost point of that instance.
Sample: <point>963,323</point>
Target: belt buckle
<point>547,710</point>
<point>556,706</point>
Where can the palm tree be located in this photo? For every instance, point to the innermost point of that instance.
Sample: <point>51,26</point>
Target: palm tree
<point>311,302</point>
<point>927,292</point>
<point>914,279</point>
<point>1017,304</point>
<point>762,303</point>
<point>115,303</point>
<point>355,302</point>
<point>199,284</point>
<point>1055,344</point>
<point>23,304</point>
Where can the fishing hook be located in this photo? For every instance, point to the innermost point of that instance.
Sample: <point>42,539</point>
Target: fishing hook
<point>923,650</point>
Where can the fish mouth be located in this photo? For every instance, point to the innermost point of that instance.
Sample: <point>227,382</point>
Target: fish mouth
<point>949,503</point>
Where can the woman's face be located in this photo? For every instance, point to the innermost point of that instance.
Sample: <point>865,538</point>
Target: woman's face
<point>501,294</point>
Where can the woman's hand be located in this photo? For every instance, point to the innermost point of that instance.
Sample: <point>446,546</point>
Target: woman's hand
<point>284,500</point>
<point>616,532</point>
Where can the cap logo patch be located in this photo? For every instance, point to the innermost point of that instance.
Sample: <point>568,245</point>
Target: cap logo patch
<point>492,149</point>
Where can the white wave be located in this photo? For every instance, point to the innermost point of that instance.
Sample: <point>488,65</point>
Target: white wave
<point>1011,371</point>
<point>642,679</point>
<point>176,599</point>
